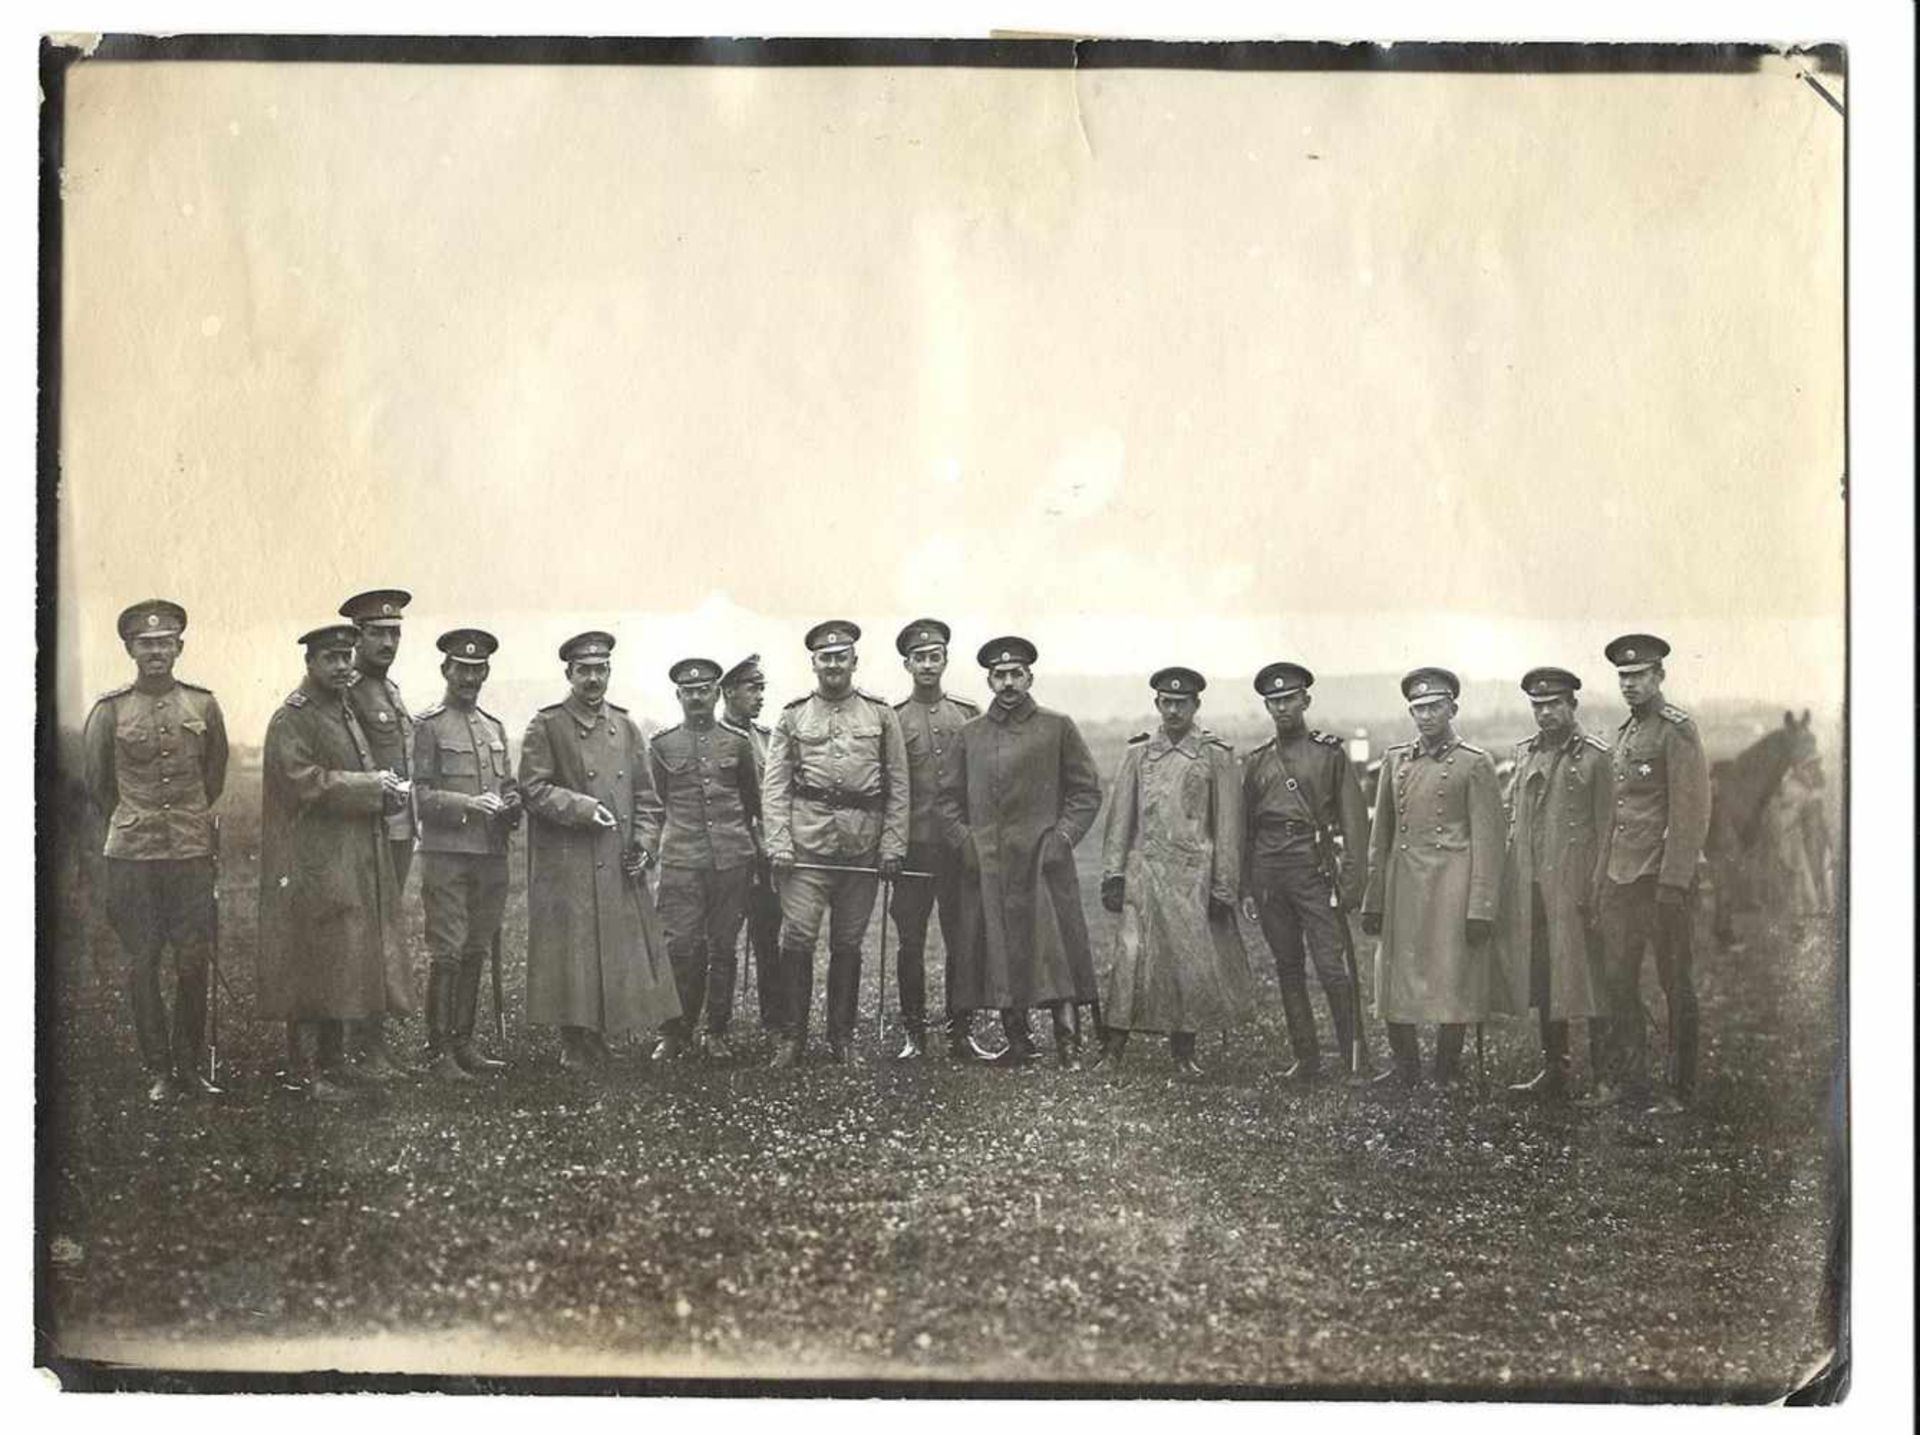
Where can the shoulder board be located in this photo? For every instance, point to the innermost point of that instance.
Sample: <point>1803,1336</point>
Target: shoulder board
<point>296,699</point>
<point>1326,738</point>
<point>193,687</point>
<point>1214,740</point>
<point>1403,747</point>
<point>353,678</point>
<point>796,702</point>
<point>901,706</point>
<point>554,707</point>
<point>1262,747</point>
<point>967,703</point>
<point>616,708</point>
<point>1526,743</point>
<point>433,712</point>
<point>730,727</point>
<point>1675,715</point>
<point>676,728</point>
<point>483,713</point>
<point>119,692</point>
<point>1139,737</point>
<point>1593,741</point>
<point>873,698</point>
<point>1469,747</point>
<point>763,729</point>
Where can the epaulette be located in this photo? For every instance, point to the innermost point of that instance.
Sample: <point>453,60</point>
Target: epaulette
<point>877,701</point>
<point>426,714</point>
<point>796,702</point>
<point>730,727</point>
<point>676,728</point>
<point>967,703</point>
<point>353,678</point>
<point>1139,737</point>
<point>1469,747</point>
<point>554,707</point>
<point>193,687</point>
<point>119,692</point>
<point>1526,743</point>
<point>296,699</point>
<point>1215,740</point>
<point>1675,715</point>
<point>1594,741</point>
<point>615,707</point>
<point>485,714</point>
<point>1329,739</point>
<point>1256,751</point>
<point>762,729</point>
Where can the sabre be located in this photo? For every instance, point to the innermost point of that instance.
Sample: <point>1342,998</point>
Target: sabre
<point>880,1022</point>
<point>499,1003</point>
<point>861,871</point>
<point>213,957</point>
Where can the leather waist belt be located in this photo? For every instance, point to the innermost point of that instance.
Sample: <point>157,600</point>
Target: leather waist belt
<point>1284,824</point>
<point>842,801</point>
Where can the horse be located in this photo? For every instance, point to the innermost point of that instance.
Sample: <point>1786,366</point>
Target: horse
<point>1741,788</point>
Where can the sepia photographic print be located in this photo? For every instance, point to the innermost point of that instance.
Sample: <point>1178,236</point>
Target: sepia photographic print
<point>944,717</point>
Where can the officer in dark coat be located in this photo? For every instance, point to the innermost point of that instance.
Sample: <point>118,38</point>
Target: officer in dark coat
<point>836,796</point>
<point>743,693</point>
<point>468,803</point>
<point>375,699</point>
<point>1019,791</point>
<point>329,903</point>
<point>930,723</point>
<point>1661,804</point>
<point>1562,808</point>
<point>703,833</point>
<point>155,762</point>
<point>1299,793</point>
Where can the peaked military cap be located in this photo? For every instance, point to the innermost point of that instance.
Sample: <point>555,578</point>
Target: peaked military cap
<point>747,668</point>
<point>1008,650</point>
<point>1178,682</point>
<point>1549,683</point>
<point>381,605</point>
<point>468,645</point>
<point>694,670</point>
<point>1278,679</point>
<point>1635,652</point>
<point>922,633</point>
<point>329,636</point>
<point>153,618</point>
<point>590,644</point>
<point>1423,683</point>
<point>832,635</point>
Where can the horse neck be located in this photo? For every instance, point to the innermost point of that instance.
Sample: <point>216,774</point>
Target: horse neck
<point>1744,784</point>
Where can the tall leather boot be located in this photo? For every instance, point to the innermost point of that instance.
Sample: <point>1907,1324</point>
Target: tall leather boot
<point>442,1064</point>
<point>1403,1039</point>
<point>1020,1049</point>
<point>796,986</point>
<point>912,968</point>
<point>1452,1041</point>
<point>1556,1067</point>
<point>843,1002</point>
<point>330,1081</point>
<point>1340,1008</point>
<point>575,1055</point>
<point>1066,1036</point>
<point>961,1045</point>
<point>1302,1034</point>
<point>1184,1045</point>
<point>1113,1046</point>
<point>462,1007</point>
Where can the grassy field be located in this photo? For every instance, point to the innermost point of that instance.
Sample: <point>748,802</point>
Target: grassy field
<point>932,1223</point>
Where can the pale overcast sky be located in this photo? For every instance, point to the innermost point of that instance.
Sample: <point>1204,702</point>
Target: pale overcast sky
<point>1155,366</point>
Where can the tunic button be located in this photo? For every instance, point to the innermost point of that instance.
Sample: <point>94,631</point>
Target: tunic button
<point>166,804</point>
<point>600,865</point>
<point>621,773</point>
<point>589,772</point>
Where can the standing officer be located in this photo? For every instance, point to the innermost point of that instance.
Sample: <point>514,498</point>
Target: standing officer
<point>469,804</point>
<point>375,699</point>
<point>329,902</point>
<point>1433,881</point>
<point>743,692</point>
<point>596,962</point>
<point>1660,808</point>
<point>1562,808</point>
<point>703,774</point>
<point>1018,792</point>
<point>930,722</point>
<point>155,762</point>
<point>1299,792</point>
<point>836,796</point>
<point>1171,874</point>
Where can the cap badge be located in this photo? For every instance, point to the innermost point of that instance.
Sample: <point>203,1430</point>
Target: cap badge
<point>470,648</point>
<point>1419,688</point>
<point>1628,655</point>
<point>153,620</point>
<point>387,609</point>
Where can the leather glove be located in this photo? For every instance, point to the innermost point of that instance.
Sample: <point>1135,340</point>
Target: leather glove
<point>1113,893</point>
<point>1249,908</point>
<point>635,861</point>
<point>969,856</point>
<point>1672,897</point>
<point>1371,924</point>
<point>1219,909</point>
<point>889,868</point>
<point>781,862</point>
<point>1479,931</point>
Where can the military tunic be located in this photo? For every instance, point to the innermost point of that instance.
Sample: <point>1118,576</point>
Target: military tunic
<point>1439,837</point>
<point>375,699</point>
<point>1562,807</point>
<point>460,755</point>
<point>763,903</point>
<point>329,904</point>
<point>930,731</point>
<point>595,954</point>
<point>837,784</point>
<point>1173,832</point>
<point>1018,792</point>
<point>154,763</point>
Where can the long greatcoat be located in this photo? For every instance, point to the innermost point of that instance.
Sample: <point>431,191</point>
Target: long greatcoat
<point>1173,832</point>
<point>1566,801</point>
<point>1439,837</point>
<point>329,933</point>
<point>1017,792</point>
<point>595,953</point>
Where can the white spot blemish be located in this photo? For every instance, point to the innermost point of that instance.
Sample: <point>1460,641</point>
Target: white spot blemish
<point>950,469</point>
<point>187,209</point>
<point>233,127</point>
<point>210,325</point>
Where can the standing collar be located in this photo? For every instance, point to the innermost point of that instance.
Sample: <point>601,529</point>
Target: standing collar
<point>1022,710</point>
<point>581,712</point>
<point>1160,743</point>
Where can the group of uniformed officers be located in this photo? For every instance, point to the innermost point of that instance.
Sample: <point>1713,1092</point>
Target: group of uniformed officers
<point>1546,901</point>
